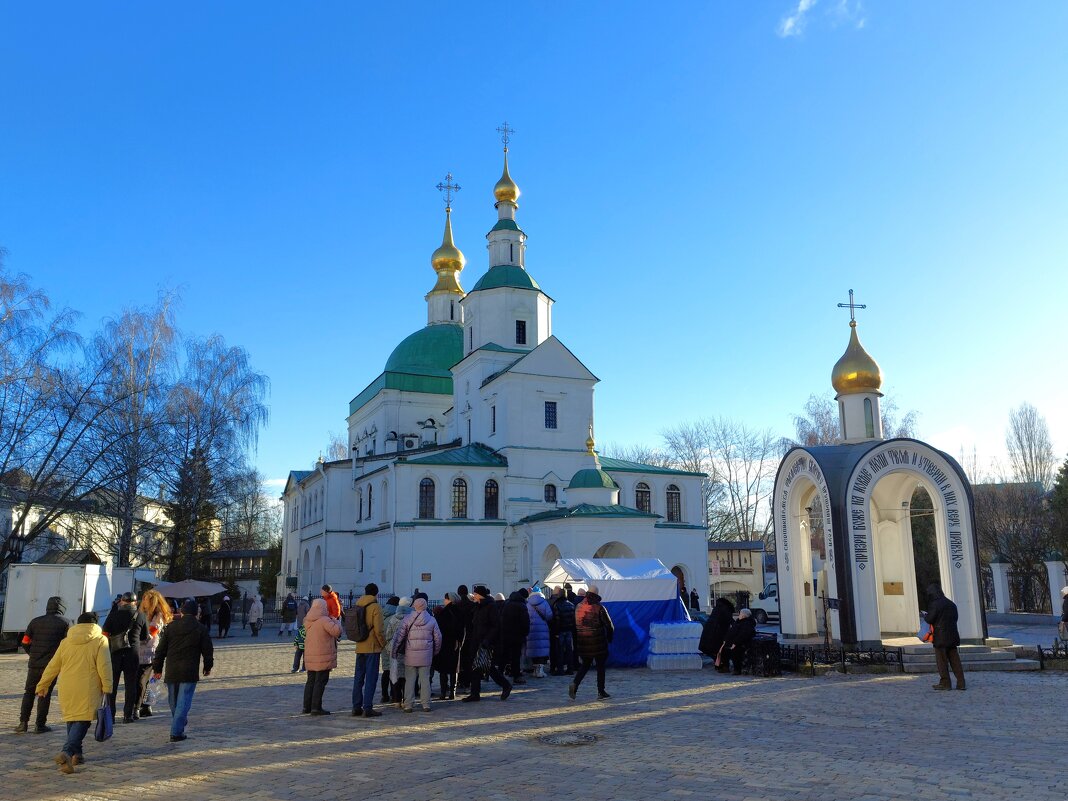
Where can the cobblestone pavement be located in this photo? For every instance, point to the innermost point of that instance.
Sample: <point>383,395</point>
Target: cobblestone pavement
<point>661,735</point>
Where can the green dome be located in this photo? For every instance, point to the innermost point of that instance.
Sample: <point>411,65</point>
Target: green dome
<point>592,479</point>
<point>506,275</point>
<point>429,351</point>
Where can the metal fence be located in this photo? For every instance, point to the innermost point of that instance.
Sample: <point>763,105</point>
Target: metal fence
<point>797,658</point>
<point>1029,590</point>
<point>1059,650</point>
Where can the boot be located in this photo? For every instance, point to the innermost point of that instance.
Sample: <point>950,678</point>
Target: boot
<point>942,685</point>
<point>146,712</point>
<point>960,685</point>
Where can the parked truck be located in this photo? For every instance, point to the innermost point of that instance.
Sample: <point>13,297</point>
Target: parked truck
<point>83,588</point>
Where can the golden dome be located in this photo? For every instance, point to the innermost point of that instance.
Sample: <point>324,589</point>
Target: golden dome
<point>856,371</point>
<point>506,190</point>
<point>448,261</point>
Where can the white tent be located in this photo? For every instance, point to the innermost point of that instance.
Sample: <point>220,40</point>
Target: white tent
<point>617,579</point>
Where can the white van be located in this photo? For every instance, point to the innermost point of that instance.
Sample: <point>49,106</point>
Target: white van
<point>766,605</point>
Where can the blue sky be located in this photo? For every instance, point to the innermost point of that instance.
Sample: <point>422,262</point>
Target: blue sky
<point>702,183</point>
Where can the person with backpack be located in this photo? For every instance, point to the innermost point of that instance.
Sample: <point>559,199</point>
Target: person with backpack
<point>289,616</point>
<point>364,625</point>
<point>126,627</point>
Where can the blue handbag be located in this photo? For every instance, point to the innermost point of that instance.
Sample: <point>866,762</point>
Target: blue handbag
<point>105,724</point>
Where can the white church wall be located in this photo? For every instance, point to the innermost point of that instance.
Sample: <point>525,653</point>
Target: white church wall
<point>492,314</point>
<point>398,412</point>
<point>451,555</point>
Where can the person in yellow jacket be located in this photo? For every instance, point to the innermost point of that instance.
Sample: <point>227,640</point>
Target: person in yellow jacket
<point>368,652</point>
<point>83,665</point>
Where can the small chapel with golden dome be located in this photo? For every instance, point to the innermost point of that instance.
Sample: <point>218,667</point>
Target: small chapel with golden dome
<point>472,452</point>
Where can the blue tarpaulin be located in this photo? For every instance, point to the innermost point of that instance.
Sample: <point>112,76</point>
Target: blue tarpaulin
<point>635,592</point>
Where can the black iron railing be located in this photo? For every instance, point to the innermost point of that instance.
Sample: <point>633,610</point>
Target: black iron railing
<point>797,658</point>
<point>1059,650</point>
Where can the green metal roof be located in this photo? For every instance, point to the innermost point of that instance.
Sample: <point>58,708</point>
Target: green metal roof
<point>506,225</point>
<point>429,351</point>
<point>506,275</point>
<point>624,466</point>
<point>501,349</point>
<point>473,455</point>
<point>405,382</point>
<point>592,479</point>
<point>588,510</point>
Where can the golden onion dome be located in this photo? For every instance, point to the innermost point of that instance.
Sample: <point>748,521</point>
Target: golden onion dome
<point>448,257</point>
<point>506,190</point>
<point>856,371</point>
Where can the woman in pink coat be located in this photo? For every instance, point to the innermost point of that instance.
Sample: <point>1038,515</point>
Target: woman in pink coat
<point>320,654</point>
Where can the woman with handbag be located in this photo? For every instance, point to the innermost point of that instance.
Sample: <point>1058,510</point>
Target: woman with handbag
<point>158,613</point>
<point>83,665</point>
<point>416,641</point>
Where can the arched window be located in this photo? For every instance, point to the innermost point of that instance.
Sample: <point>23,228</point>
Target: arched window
<point>459,498</point>
<point>370,490</point>
<point>426,498</point>
<point>550,493</point>
<point>674,504</point>
<point>361,560</point>
<point>492,510</point>
<point>643,498</point>
<point>869,419</point>
<point>359,507</point>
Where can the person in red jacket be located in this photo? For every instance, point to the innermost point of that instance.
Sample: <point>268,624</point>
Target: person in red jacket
<point>593,633</point>
<point>333,601</point>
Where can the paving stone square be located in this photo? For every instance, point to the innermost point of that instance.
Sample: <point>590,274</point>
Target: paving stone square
<point>661,735</point>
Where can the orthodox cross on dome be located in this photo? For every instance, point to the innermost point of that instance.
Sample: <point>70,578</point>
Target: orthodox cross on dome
<point>852,307</point>
<point>506,134</point>
<point>449,188</point>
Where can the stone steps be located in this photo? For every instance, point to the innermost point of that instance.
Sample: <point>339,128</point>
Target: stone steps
<point>997,654</point>
<point>970,667</point>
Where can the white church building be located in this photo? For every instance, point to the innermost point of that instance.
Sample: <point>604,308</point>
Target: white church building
<point>473,458</point>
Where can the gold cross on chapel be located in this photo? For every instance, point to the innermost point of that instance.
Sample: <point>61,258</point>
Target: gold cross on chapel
<point>852,306</point>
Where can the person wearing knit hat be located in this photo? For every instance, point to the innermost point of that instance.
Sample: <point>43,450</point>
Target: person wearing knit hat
<point>395,665</point>
<point>181,647</point>
<point>41,641</point>
<point>416,641</point>
<point>485,639</point>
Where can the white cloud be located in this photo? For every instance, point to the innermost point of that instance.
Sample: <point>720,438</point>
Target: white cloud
<point>275,482</point>
<point>848,12</point>
<point>793,24</point>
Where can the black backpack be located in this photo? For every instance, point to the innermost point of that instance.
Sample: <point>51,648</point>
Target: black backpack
<point>356,628</point>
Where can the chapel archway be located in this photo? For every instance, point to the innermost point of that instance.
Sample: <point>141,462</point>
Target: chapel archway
<point>614,550</point>
<point>548,559</point>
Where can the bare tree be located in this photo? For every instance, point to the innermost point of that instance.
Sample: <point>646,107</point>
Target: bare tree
<point>819,424</point>
<point>1028,443</point>
<point>251,518</point>
<point>640,453</point>
<point>337,448</point>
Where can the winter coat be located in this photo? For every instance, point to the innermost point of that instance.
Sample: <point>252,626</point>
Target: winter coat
<point>741,633</point>
<point>423,639</point>
<point>716,627</point>
<point>181,646</point>
<point>83,664</point>
<point>42,638</point>
<point>376,640</point>
<point>147,650</point>
<point>485,625</point>
<point>129,619</point>
<point>450,624</point>
<point>942,615</point>
<point>392,624</point>
<point>333,605</point>
<point>563,615</point>
<point>255,612</point>
<point>320,639</point>
<point>302,610</point>
<point>224,614</point>
<point>289,610</point>
<point>515,620</point>
<point>540,613</point>
<point>593,628</point>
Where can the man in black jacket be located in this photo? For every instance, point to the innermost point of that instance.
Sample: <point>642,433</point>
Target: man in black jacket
<point>182,645</point>
<point>562,625</point>
<point>42,638</point>
<point>485,633</point>
<point>125,627</point>
<point>942,615</point>
<point>467,643</point>
<point>515,626</point>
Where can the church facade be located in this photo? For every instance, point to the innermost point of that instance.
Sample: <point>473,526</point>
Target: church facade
<point>473,459</point>
<point>859,491</point>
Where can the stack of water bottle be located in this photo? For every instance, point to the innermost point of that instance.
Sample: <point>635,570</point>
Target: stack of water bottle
<point>673,646</point>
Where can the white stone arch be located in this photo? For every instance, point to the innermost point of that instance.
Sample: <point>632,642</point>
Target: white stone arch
<point>383,499</point>
<point>614,550</point>
<point>876,494</point>
<point>548,559</point>
<point>799,480</point>
<point>317,567</point>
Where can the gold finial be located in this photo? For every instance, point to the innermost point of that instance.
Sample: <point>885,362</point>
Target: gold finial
<point>506,190</point>
<point>856,371</point>
<point>448,260</point>
<point>589,441</point>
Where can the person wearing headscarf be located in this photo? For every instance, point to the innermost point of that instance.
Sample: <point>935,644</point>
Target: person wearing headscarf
<point>594,631</point>
<point>942,615</point>
<point>223,618</point>
<point>416,641</point>
<point>41,641</point>
<point>395,665</point>
<point>158,614</point>
<point>320,654</point>
<point>82,664</point>
<point>255,615</point>
<point>716,627</point>
<point>736,642</point>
